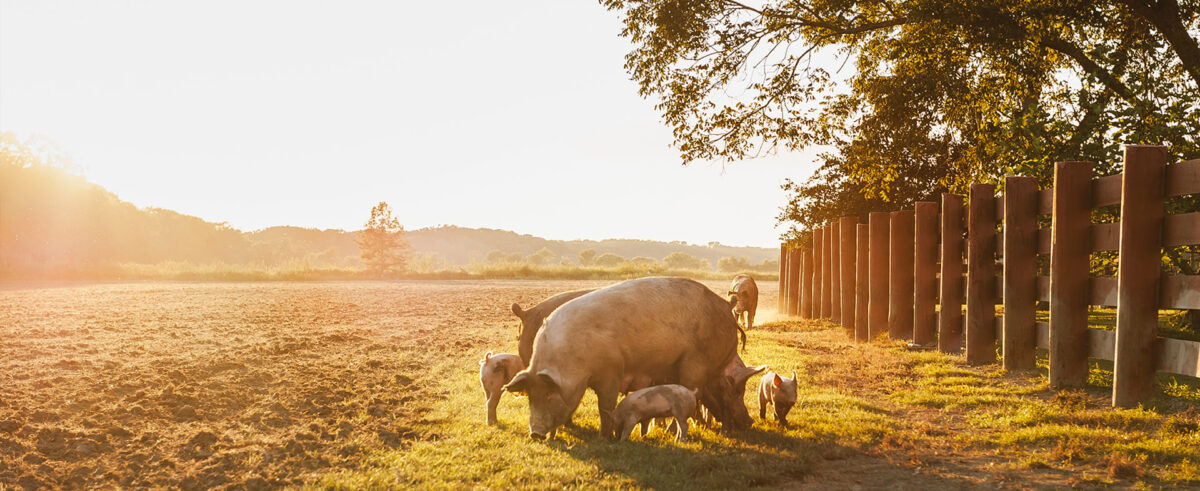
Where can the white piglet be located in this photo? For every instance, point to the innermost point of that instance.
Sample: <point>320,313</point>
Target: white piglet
<point>778,391</point>
<point>494,372</point>
<point>659,401</point>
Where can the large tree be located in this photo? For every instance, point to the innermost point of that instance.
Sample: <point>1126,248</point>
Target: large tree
<point>384,250</point>
<point>914,97</point>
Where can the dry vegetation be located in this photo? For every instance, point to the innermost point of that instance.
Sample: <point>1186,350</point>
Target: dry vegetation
<point>376,384</point>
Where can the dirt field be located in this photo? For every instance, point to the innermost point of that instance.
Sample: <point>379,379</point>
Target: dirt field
<point>203,385</point>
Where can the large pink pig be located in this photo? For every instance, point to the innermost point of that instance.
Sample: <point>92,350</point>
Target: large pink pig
<point>532,319</point>
<point>668,330</point>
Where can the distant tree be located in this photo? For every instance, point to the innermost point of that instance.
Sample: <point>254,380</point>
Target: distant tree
<point>542,256</point>
<point>644,262</point>
<point>382,243</point>
<point>609,260</point>
<point>587,257</point>
<point>730,264</point>
<point>683,260</point>
<point>767,266</point>
<point>496,256</point>
<point>427,262</point>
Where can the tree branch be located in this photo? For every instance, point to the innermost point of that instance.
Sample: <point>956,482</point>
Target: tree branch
<point>1164,15</point>
<point>1108,79</point>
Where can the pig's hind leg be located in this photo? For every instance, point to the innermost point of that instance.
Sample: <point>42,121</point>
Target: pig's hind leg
<point>493,400</point>
<point>681,426</point>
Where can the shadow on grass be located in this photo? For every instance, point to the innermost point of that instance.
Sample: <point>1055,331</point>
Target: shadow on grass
<point>755,457</point>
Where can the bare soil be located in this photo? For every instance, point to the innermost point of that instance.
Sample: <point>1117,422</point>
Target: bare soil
<point>203,385</point>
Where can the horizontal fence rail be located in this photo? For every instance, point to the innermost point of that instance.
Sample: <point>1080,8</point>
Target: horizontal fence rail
<point>935,274</point>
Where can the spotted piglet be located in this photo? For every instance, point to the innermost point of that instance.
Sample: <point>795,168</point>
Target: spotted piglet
<point>494,372</point>
<point>777,391</point>
<point>659,401</point>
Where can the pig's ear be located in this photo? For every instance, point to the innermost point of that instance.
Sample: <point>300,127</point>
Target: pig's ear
<point>793,376</point>
<point>549,378</point>
<point>520,383</point>
<point>517,310</point>
<point>777,380</point>
<point>747,372</point>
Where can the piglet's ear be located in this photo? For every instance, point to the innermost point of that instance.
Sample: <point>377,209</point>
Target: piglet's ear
<point>777,380</point>
<point>520,383</point>
<point>516,309</point>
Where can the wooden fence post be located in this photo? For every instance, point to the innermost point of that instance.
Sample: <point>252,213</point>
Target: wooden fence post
<point>835,273</point>
<point>793,281</point>
<point>1020,273</point>
<point>877,315</point>
<point>826,276</point>
<point>950,320</point>
<point>795,302</point>
<point>806,283</point>
<point>818,274</point>
<point>900,262</point>
<point>1139,260</point>
<point>925,256</point>
<point>1070,254</point>
<point>782,278</point>
<point>862,291</point>
<point>981,275</point>
<point>846,233</point>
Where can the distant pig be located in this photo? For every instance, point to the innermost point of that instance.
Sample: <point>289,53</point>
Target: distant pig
<point>659,401</point>
<point>743,296</point>
<point>779,392</point>
<point>494,372</point>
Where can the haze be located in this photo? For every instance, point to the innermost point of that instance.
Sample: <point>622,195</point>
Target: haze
<point>512,115</point>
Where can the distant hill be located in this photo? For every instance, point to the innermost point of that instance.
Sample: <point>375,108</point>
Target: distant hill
<point>55,221</point>
<point>462,246</point>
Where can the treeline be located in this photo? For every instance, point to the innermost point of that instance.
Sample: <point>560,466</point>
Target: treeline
<point>590,258</point>
<point>56,225</point>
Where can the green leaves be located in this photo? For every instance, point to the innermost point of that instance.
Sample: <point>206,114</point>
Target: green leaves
<point>916,97</point>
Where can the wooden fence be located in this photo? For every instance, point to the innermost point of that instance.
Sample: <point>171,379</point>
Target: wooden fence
<point>903,273</point>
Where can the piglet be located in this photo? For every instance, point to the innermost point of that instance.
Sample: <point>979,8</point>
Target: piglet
<point>659,401</point>
<point>494,372</point>
<point>779,392</point>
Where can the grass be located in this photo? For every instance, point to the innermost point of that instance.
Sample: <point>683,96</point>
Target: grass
<point>466,452</point>
<point>915,419</point>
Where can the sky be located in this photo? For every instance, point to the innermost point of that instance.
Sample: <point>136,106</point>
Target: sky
<point>509,115</point>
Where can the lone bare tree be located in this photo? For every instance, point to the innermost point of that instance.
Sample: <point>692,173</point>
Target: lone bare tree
<point>384,250</point>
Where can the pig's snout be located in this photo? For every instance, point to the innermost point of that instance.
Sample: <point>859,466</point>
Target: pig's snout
<point>537,436</point>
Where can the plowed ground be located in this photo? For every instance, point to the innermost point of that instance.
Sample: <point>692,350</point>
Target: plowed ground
<point>209,385</point>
